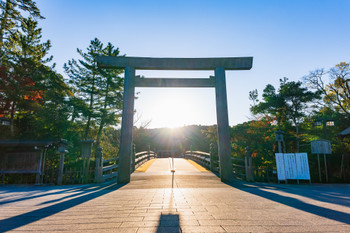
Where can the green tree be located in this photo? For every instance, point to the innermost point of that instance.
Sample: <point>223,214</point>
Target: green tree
<point>334,86</point>
<point>25,76</point>
<point>288,105</point>
<point>101,89</point>
<point>11,17</point>
<point>273,104</point>
<point>297,100</point>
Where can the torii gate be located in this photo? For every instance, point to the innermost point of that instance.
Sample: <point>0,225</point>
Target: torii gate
<point>219,65</point>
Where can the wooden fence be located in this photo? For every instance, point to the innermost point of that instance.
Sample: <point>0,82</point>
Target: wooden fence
<point>242,167</point>
<point>108,169</point>
<point>144,156</point>
<point>200,157</point>
<point>239,168</point>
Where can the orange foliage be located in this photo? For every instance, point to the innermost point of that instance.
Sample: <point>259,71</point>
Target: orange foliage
<point>35,96</point>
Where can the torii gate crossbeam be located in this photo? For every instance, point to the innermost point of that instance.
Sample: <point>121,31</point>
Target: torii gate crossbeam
<point>219,65</point>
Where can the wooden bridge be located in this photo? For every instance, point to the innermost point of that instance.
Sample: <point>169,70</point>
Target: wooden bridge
<point>108,169</point>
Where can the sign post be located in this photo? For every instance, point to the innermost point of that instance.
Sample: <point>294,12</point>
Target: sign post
<point>318,147</point>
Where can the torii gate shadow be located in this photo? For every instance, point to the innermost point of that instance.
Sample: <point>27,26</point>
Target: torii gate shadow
<point>257,189</point>
<point>35,215</point>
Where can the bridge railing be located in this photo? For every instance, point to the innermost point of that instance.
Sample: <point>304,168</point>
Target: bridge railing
<point>105,168</point>
<point>242,167</point>
<point>108,168</point>
<point>207,160</point>
<point>200,157</point>
<point>239,168</point>
<point>140,158</point>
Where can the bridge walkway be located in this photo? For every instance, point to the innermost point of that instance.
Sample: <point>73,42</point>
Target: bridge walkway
<point>199,202</point>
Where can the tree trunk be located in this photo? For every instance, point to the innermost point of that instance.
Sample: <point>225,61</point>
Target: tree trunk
<point>297,137</point>
<point>12,128</point>
<point>90,108</point>
<point>3,22</point>
<point>103,115</point>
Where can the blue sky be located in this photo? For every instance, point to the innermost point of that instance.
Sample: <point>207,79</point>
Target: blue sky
<point>287,38</point>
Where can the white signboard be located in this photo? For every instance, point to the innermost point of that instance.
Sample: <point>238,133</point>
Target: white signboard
<point>280,166</point>
<point>292,166</point>
<point>303,170</point>
<point>321,147</point>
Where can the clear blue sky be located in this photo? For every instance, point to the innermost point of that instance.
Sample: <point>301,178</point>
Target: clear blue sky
<point>287,38</point>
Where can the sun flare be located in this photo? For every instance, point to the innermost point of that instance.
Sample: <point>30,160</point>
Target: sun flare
<point>175,107</point>
<point>173,110</point>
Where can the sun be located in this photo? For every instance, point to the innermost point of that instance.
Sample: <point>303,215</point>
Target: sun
<point>172,112</point>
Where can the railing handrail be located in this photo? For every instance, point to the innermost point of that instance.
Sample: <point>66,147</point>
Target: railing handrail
<point>109,167</point>
<point>110,160</point>
<point>138,154</point>
<point>141,157</point>
<point>198,152</point>
<point>201,157</point>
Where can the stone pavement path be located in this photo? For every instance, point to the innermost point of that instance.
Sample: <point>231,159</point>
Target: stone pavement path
<point>199,202</point>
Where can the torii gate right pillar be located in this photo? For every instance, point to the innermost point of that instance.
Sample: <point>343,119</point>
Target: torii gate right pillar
<point>224,145</point>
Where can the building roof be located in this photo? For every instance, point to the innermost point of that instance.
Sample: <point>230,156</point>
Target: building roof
<point>26,143</point>
<point>344,133</point>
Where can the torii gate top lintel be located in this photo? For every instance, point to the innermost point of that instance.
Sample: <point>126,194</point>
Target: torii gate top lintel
<point>149,63</point>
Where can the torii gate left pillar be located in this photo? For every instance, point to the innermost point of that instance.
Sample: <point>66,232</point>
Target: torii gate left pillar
<point>219,65</point>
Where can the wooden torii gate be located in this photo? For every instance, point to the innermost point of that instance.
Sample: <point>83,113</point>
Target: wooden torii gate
<point>219,65</point>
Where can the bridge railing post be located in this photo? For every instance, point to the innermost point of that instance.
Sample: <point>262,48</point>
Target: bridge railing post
<point>191,151</point>
<point>61,151</point>
<point>99,165</point>
<point>248,165</point>
<point>212,158</point>
<point>149,152</point>
<point>133,152</point>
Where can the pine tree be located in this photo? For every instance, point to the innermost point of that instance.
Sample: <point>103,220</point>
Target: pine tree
<point>101,89</point>
<point>111,90</point>
<point>30,88</point>
<point>11,17</point>
<point>22,79</point>
<point>288,105</point>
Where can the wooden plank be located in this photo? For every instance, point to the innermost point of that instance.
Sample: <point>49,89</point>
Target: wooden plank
<point>174,82</point>
<point>20,171</point>
<point>148,63</point>
<point>111,175</point>
<point>110,160</point>
<point>201,153</point>
<point>141,153</point>
<point>110,167</point>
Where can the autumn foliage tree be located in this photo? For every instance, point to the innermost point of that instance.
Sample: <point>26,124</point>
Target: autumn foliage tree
<point>28,83</point>
<point>258,135</point>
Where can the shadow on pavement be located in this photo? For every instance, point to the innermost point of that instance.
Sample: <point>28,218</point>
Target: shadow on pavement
<point>338,194</point>
<point>25,196</point>
<point>169,223</point>
<point>293,202</point>
<point>88,193</point>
